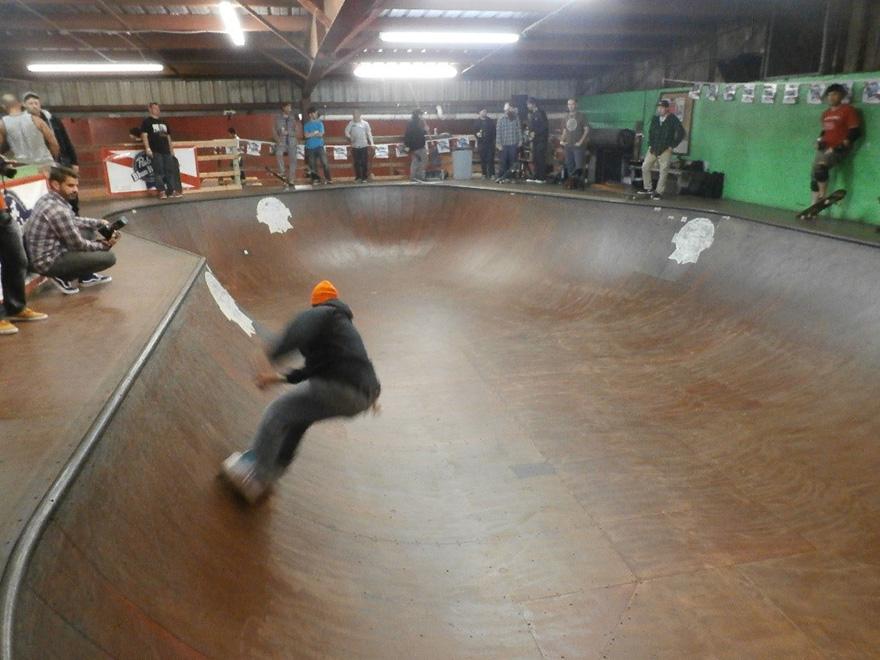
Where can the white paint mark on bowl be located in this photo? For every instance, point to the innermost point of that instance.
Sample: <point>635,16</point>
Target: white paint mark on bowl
<point>227,304</point>
<point>690,241</point>
<point>272,212</point>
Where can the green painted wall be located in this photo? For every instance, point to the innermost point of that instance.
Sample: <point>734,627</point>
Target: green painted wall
<point>764,150</point>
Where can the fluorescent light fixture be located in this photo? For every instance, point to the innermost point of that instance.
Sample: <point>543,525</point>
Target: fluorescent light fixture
<point>99,67</point>
<point>452,38</point>
<point>229,14</point>
<point>405,70</point>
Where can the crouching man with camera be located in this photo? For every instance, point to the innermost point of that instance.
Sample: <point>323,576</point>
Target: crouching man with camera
<point>66,248</point>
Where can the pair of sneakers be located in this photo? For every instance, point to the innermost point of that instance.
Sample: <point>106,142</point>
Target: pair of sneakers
<point>240,470</point>
<point>69,287</point>
<point>27,314</point>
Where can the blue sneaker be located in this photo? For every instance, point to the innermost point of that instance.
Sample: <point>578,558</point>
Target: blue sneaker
<point>94,279</point>
<point>67,287</point>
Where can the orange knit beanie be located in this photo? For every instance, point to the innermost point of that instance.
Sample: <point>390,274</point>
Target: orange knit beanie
<point>324,291</point>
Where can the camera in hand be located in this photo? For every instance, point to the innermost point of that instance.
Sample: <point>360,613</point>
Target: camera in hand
<point>6,169</point>
<point>107,231</point>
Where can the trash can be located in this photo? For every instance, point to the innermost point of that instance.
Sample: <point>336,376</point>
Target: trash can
<point>462,164</point>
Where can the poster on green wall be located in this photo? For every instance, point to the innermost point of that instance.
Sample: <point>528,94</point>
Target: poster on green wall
<point>729,92</point>
<point>748,95</point>
<point>871,91</point>
<point>769,93</point>
<point>790,95</point>
<point>815,97</point>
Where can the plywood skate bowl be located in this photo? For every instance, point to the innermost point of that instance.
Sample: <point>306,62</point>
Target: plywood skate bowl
<point>586,450</point>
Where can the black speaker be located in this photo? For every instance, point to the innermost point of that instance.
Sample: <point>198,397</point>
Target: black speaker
<point>742,68</point>
<point>519,100</point>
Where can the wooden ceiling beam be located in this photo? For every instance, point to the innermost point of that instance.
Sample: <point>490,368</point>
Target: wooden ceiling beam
<point>154,23</point>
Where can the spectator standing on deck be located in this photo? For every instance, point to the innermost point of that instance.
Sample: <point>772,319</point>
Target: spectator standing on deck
<point>360,135</point>
<point>539,133</point>
<point>236,149</point>
<point>841,127</point>
<point>66,152</point>
<point>485,132</point>
<point>574,138</point>
<point>664,135</point>
<point>338,380</point>
<point>508,140</point>
<point>61,245</point>
<point>13,270</point>
<point>29,137</point>
<point>160,149</point>
<point>284,128</point>
<point>313,131</point>
<point>414,140</point>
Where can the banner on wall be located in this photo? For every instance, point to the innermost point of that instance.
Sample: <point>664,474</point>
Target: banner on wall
<point>696,91</point>
<point>126,170</point>
<point>380,151</point>
<point>443,146</point>
<point>712,92</point>
<point>871,91</point>
<point>815,97</point>
<point>729,92</point>
<point>748,95</point>
<point>253,148</point>
<point>768,94</point>
<point>300,152</point>
<point>340,153</point>
<point>790,95</point>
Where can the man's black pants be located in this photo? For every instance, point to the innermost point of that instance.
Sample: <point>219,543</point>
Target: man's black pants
<point>361,162</point>
<point>13,264</point>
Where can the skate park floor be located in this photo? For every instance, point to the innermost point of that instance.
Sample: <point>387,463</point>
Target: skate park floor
<point>609,430</point>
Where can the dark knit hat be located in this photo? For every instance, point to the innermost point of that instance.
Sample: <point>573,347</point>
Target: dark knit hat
<point>663,102</point>
<point>835,87</point>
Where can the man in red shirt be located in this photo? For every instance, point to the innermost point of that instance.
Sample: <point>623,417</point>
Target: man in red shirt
<point>840,128</point>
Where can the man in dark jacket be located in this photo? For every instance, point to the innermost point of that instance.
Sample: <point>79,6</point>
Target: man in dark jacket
<point>414,140</point>
<point>67,155</point>
<point>664,135</point>
<point>338,380</point>
<point>539,133</point>
<point>485,132</point>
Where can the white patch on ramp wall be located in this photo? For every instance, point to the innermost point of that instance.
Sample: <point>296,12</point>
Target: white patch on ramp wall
<point>272,212</point>
<point>696,236</point>
<point>227,304</point>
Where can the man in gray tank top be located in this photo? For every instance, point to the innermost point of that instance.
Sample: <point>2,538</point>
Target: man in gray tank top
<point>29,138</point>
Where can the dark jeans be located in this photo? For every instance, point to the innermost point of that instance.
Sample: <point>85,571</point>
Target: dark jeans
<point>167,173</point>
<point>313,156</point>
<point>13,264</point>
<point>487,160</point>
<point>74,265</point>
<point>290,415</point>
<point>508,159</point>
<point>361,157</point>
<point>539,156</point>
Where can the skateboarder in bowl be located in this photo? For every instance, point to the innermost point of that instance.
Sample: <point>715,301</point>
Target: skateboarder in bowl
<point>338,380</point>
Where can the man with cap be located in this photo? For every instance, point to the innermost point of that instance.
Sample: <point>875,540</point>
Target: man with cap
<point>337,380</point>
<point>67,153</point>
<point>664,135</point>
<point>29,137</point>
<point>841,127</point>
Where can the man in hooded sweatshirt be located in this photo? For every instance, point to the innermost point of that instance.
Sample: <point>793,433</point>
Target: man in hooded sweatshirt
<point>338,380</point>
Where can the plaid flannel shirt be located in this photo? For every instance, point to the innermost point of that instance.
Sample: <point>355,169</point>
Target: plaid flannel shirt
<point>508,132</point>
<point>53,229</point>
